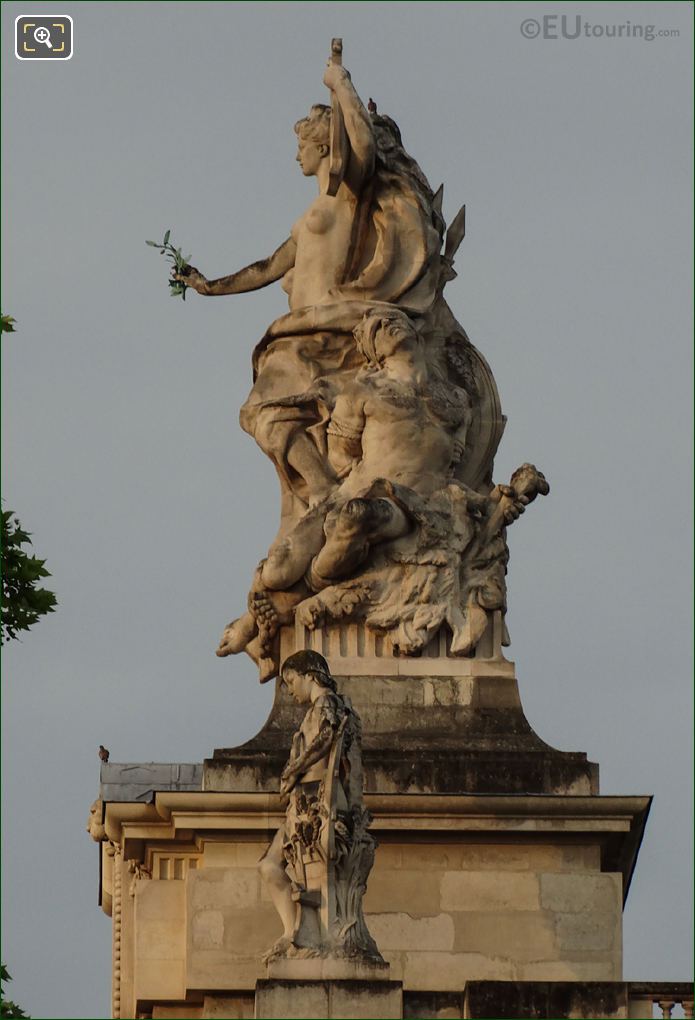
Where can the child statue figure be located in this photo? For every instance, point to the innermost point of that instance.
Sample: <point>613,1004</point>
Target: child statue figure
<point>317,865</point>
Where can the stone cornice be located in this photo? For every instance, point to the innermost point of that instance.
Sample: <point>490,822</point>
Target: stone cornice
<point>617,823</point>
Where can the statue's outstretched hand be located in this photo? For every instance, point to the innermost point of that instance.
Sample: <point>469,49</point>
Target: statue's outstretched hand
<point>192,278</point>
<point>514,505</point>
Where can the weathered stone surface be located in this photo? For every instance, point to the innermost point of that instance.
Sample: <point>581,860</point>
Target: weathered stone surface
<point>185,1012</point>
<point>228,1007</point>
<point>580,967</point>
<point>225,854</point>
<point>597,932</point>
<point>587,895</point>
<point>449,972</point>
<point>133,781</point>
<point>520,935</point>
<point>292,999</point>
<point>485,1000</point>
<point>223,887</point>
<point>442,1005</point>
<point>207,929</point>
<point>159,926</point>
<point>489,891</point>
<point>416,892</point>
<point>375,1000</point>
<point>406,931</point>
<point>329,1000</point>
<point>483,746</point>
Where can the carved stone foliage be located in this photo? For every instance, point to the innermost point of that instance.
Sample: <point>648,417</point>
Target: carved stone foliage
<point>317,866</point>
<point>138,871</point>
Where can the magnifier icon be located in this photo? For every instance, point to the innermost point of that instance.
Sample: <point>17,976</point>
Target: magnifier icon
<point>42,35</point>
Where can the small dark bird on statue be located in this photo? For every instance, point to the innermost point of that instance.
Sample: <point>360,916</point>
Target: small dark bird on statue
<point>371,105</point>
<point>103,753</point>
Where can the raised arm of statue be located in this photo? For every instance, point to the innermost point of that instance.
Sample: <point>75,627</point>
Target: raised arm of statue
<point>357,125</point>
<point>253,277</point>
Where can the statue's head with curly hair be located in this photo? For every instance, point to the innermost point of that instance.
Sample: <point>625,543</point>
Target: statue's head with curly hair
<point>313,138</point>
<point>306,665</point>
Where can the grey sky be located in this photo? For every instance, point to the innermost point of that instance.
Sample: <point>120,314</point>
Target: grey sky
<point>124,458</point>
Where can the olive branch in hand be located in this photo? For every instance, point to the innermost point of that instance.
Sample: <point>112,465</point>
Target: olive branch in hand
<point>179,263</point>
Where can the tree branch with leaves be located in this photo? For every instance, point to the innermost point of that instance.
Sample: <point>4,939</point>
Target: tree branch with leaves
<point>7,1007</point>
<point>23,601</point>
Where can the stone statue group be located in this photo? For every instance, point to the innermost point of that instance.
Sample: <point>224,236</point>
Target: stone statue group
<point>380,416</point>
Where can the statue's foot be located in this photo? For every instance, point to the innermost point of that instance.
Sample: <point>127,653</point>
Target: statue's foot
<point>378,520</point>
<point>366,515</point>
<point>237,635</point>
<point>267,669</point>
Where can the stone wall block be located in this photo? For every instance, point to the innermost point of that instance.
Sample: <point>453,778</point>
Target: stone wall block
<point>224,887</point>
<point>585,933</point>
<point>291,1000</point>
<point>568,970</point>
<point>160,979</point>
<point>448,972</point>
<point>207,929</point>
<point>489,891</point>
<point>228,1007</point>
<point>160,901</point>
<point>516,935</point>
<point>412,891</point>
<point>409,932</point>
<point>581,894</point>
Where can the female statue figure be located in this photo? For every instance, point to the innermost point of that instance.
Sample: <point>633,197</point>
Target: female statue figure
<point>376,240</point>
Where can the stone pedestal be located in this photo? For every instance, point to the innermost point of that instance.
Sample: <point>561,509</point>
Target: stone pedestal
<point>435,723</point>
<point>319,999</point>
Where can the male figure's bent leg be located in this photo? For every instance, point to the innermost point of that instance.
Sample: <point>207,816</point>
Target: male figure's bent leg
<point>272,870</point>
<point>350,534</point>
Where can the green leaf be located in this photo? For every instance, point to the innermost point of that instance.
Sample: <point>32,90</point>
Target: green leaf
<point>154,244</point>
<point>23,603</point>
<point>167,236</point>
<point>7,1007</point>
